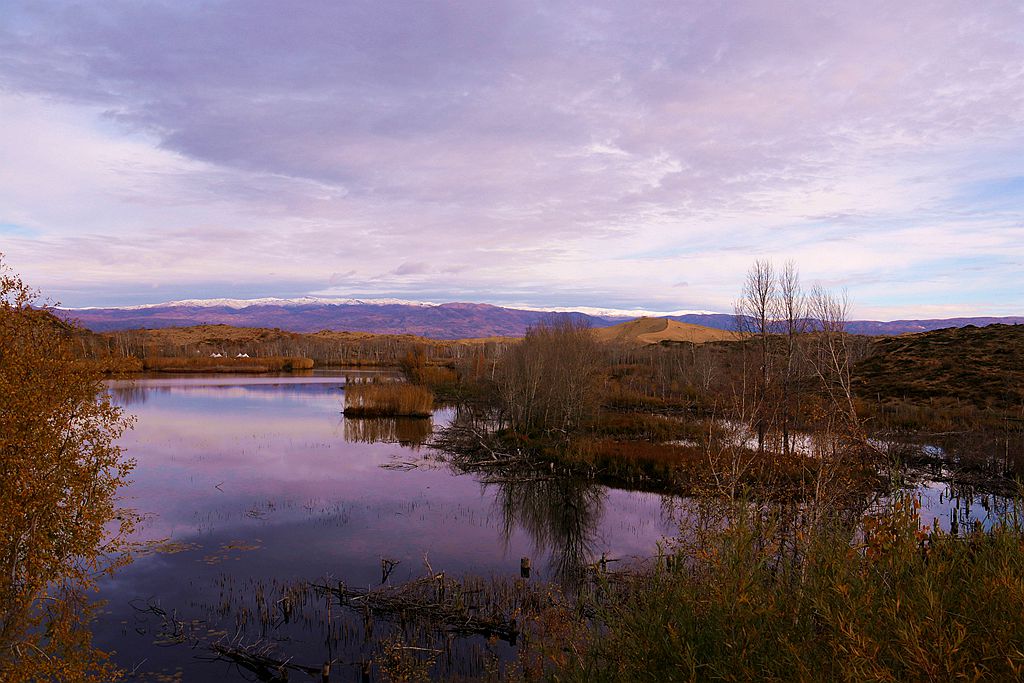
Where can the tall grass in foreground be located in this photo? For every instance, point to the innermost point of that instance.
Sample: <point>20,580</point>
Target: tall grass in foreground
<point>390,399</point>
<point>902,602</point>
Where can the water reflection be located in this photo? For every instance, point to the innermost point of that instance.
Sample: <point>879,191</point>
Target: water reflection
<point>561,515</point>
<point>406,431</point>
<point>258,484</point>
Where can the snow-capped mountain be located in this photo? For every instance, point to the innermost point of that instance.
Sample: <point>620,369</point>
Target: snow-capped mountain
<point>266,301</point>
<point>438,320</point>
<point>312,314</point>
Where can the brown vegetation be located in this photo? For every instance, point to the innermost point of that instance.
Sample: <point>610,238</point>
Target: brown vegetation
<point>746,596</point>
<point>325,348</point>
<point>388,399</point>
<point>59,476</point>
<point>976,372</point>
<point>220,365</point>
<point>550,382</point>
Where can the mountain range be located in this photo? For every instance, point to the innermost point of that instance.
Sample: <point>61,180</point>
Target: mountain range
<point>436,320</point>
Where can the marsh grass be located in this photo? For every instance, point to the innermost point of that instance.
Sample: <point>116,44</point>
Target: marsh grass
<point>744,601</point>
<point>388,399</point>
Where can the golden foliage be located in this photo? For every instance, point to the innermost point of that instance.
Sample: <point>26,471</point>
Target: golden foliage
<point>59,473</point>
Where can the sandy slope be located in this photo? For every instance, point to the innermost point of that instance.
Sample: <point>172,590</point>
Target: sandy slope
<point>655,330</point>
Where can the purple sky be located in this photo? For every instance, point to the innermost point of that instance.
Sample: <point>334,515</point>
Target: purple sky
<point>627,154</point>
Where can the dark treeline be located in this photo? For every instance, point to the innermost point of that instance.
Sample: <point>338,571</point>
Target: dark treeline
<point>324,348</point>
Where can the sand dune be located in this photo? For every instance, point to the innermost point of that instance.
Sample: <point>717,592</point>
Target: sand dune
<point>656,330</point>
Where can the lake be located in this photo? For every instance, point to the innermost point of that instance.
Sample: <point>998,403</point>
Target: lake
<point>251,484</point>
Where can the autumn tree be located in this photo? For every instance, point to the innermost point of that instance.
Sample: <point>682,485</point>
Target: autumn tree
<point>60,470</point>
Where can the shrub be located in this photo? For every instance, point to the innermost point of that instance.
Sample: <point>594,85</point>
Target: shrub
<point>550,382</point>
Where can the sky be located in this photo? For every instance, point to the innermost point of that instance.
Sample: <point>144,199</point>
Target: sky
<point>629,154</point>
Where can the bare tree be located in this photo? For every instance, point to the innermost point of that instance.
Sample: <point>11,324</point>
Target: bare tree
<point>832,355</point>
<point>755,311</point>
<point>550,382</point>
<point>791,312</point>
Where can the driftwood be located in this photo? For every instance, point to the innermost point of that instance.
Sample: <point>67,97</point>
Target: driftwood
<point>258,659</point>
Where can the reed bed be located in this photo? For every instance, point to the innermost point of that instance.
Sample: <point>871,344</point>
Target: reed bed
<point>391,399</point>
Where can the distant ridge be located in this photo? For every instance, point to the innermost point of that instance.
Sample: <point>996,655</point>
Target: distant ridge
<point>427,319</point>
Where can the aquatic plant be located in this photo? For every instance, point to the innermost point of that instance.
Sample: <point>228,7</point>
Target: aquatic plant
<point>388,399</point>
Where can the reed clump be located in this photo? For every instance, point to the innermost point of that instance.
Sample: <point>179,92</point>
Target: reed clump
<point>388,399</point>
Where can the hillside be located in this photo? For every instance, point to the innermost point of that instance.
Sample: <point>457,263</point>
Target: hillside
<point>656,330</point>
<point>440,321</point>
<point>437,321</point>
<point>982,367</point>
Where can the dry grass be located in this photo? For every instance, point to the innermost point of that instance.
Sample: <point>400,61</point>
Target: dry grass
<point>745,600</point>
<point>656,330</point>
<point>952,370</point>
<point>394,399</point>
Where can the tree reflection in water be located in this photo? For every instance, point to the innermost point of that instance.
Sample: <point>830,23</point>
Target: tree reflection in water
<point>560,514</point>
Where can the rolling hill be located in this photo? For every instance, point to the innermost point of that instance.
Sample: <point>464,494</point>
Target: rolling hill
<point>657,330</point>
<point>979,366</point>
<point>438,321</point>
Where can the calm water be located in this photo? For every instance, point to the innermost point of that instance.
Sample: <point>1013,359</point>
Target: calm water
<point>255,482</point>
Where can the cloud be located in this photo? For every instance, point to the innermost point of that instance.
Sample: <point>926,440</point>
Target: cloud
<point>411,268</point>
<point>590,151</point>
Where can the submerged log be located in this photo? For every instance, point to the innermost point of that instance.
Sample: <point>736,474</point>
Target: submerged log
<point>433,600</point>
